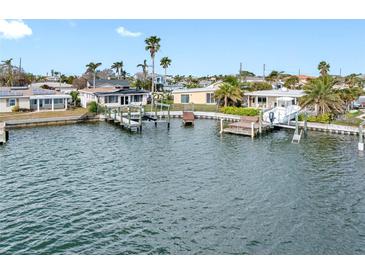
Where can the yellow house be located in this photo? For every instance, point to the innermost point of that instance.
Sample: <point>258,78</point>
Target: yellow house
<point>195,95</point>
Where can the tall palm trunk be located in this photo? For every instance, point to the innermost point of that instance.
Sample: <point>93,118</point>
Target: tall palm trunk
<point>94,78</point>
<point>316,109</point>
<point>225,101</point>
<point>153,80</point>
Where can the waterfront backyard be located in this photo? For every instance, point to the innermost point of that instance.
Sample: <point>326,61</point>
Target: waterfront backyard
<point>182,191</point>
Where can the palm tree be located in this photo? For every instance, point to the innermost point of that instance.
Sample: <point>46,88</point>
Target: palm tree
<point>91,67</point>
<point>228,92</point>
<point>353,80</point>
<point>165,62</point>
<point>9,66</point>
<point>118,66</point>
<point>320,93</point>
<point>75,96</point>
<point>144,67</point>
<point>153,46</point>
<point>348,95</point>
<point>323,68</point>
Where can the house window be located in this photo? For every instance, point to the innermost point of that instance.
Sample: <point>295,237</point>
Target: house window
<point>126,100</point>
<point>111,99</point>
<point>122,100</point>
<point>261,100</point>
<point>185,98</point>
<point>47,101</point>
<point>137,98</point>
<point>11,102</point>
<point>58,101</point>
<point>210,98</point>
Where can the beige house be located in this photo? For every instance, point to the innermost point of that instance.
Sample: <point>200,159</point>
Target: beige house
<point>268,98</point>
<point>29,99</point>
<point>195,95</point>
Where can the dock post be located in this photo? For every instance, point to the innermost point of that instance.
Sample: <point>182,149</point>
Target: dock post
<point>252,130</point>
<point>121,118</point>
<point>4,133</point>
<point>305,124</point>
<point>129,118</point>
<point>260,122</point>
<point>168,117</point>
<point>156,116</point>
<point>140,119</point>
<point>221,126</point>
<point>361,141</point>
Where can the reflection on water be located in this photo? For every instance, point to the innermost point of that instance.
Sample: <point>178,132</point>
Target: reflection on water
<point>96,189</point>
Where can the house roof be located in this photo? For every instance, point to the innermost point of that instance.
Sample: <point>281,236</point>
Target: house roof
<point>193,90</point>
<point>111,90</point>
<point>277,93</point>
<point>109,83</point>
<point>30,93</point>
<point>51,84</point>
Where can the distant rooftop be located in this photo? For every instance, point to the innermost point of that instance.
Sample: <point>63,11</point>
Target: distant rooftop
<point>277,93</point>
<point>24,92</point>
<point>109,83</point>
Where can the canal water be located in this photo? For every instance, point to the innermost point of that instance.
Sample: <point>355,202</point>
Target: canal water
<point>96,189</point>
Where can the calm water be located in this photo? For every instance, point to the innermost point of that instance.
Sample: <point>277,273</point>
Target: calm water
<point>96,189</point>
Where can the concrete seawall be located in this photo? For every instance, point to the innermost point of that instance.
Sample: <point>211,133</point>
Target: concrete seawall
<point>11,124</point>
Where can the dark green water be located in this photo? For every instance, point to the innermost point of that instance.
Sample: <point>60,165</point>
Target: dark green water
<point>96,189</point>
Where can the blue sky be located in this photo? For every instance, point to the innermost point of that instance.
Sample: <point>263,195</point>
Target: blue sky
<point>196,47</point>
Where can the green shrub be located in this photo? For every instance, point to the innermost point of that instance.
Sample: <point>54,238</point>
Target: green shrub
<point>240,111</point>
<point>325,118</point>
<point>92,107</point>
<point>15,109</point>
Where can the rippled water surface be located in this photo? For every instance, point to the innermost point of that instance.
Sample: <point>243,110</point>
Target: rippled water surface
<point>96,189</point>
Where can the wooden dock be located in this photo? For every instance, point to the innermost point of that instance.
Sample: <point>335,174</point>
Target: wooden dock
<point>248,126</point>
<point>125,119</point>
<point>188,118</point>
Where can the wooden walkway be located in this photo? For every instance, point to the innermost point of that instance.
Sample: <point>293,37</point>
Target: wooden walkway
<point>125,121</point>
<point>248,126</point>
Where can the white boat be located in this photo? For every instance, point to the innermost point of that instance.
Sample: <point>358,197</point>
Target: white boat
<point>284,111</point>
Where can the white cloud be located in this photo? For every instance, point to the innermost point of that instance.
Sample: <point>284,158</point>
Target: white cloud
<point>14,29</point>
<point>126,33</point>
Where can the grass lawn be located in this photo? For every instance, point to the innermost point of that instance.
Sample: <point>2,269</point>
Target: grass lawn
<point>47,114</point>
<point>350,119</point>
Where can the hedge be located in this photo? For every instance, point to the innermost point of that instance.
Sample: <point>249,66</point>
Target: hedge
<point>325,118</point>
<point>240,111</point>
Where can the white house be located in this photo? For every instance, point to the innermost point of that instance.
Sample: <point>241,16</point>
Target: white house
<point>268,98</point>
<point>29,99</point>
<point>113,97</point>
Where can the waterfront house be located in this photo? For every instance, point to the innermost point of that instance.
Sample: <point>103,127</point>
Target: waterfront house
<point>203,95</point>
<point>268,98</point>
<point>26,98</point>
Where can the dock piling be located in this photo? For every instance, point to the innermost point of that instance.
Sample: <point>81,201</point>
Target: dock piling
<point>361,141</point>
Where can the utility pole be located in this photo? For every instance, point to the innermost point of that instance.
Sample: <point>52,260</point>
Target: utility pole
<point>299,73</point>
<point>263,72</point>
<point>20,65</point>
